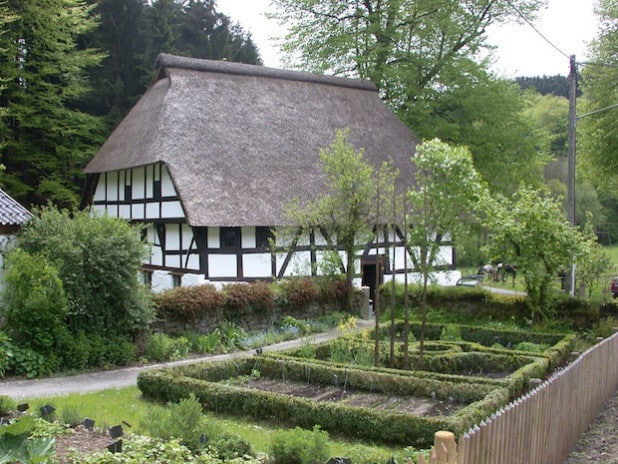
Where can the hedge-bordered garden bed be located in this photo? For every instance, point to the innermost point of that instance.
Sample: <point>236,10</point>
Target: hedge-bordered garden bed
<point>205,382</point>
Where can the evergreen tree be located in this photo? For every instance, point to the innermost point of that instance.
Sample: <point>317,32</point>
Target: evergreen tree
<point>546,85</point>
<point>121,78</point>
<point>46,138</point>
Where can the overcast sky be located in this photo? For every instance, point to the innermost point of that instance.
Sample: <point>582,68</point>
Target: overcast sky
<point>569,24</point>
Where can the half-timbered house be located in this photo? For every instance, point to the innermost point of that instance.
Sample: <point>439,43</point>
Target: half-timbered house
<point>211,154</point>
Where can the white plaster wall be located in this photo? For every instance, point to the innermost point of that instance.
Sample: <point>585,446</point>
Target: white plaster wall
<point>247,235</point>
<point>213,237</point>
<point>161,281</point>
<point>167,186</point>
<point>193,262</point>
<point>152,210</point>
<point>99,193</point>
<point>172,209</point>
<point>257,265</point>
<point>137,211</point>
<point>137,192</point>
<point>222,266</point>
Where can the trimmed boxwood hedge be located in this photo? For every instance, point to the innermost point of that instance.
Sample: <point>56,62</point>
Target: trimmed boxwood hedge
<point>522,367</point>
<point>471,333</point>
<point>393,427</point>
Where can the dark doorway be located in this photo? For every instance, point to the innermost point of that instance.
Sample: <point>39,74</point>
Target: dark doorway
<point>368,273</point>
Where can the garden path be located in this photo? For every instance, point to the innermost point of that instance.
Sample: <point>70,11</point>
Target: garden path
<point>125,377</point>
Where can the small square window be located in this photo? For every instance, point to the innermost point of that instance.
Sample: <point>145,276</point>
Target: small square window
<point>230,237</point>
<point>147,278</point>
<point>176,280</point>
<point>263,237</point>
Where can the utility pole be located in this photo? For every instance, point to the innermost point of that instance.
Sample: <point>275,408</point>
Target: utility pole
<point>570,278</point>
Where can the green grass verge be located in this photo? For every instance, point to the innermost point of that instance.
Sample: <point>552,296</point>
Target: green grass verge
<point>110,407</point>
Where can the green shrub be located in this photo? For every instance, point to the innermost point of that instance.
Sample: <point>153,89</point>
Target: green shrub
<point>299,446</point>
<point>183,421</point>
<point>531,347</point>
<point>450,332</point>
<point>605,327</point>
<point>6,405</point>
<point>121,352</point>
<point>70,416</point>
<point>228,446</point>
<point>159,347</point>
<point>162,347</point>
<point>231,335</point>
<point>31,364</point>
<point>97,258</point>
<point>5,354</point>
<point>190,303</point>
<point>34,304</point>
<point>207,343</point>
<point>332,291</point>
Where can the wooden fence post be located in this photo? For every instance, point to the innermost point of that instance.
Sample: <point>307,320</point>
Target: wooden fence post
<point>445,448</point>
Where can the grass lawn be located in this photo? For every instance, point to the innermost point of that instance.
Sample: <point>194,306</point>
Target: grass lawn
<point>111,407</point>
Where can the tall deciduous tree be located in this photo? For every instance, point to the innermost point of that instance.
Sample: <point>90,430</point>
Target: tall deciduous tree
<point>347,210</point>
<point>446,190</point>
<point>46,138</point>
<point>424,57</point>
<point>598,139</point>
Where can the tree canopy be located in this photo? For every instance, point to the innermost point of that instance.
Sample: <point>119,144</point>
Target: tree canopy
<point>442,203</point>
<point>425,58</point>
<point>598,147</point>
<point>530,230</point>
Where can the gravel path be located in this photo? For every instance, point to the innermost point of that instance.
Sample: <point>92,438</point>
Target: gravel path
<point>599,444</point>
<point>118,378</point>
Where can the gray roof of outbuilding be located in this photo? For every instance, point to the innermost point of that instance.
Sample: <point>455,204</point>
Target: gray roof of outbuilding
<point>240,141</point>
<point>11,212</point>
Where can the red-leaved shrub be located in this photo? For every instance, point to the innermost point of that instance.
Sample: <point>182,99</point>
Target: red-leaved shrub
<point>190,303</point>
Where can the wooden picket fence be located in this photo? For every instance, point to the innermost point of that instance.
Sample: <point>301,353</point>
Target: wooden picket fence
<point>544,425</point>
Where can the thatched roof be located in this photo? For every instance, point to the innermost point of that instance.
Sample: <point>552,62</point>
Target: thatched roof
<point>240,140</point>
<point>11,212</point>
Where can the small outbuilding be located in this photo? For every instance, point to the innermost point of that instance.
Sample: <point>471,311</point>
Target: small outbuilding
<point>211,154</point>
<point>12,217</point>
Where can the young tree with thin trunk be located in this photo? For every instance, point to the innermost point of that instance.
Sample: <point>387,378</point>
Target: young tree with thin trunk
<point>346,210</point>
<point>446,190</point>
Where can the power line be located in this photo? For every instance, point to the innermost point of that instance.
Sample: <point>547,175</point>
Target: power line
<point>522,16</point>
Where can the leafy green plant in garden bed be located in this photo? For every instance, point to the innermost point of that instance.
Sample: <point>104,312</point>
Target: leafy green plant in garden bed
<point>203,381</point>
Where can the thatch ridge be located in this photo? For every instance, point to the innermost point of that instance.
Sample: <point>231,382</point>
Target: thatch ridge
<point>165,60</point>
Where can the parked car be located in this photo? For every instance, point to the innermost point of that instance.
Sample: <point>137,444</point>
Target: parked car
<point>470,280</point>
<point>613,287</point>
